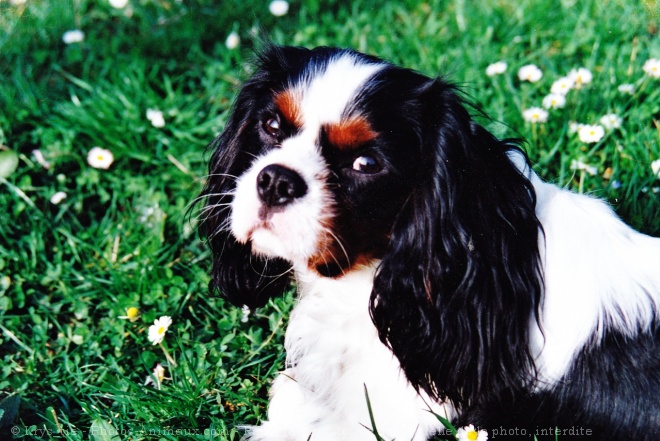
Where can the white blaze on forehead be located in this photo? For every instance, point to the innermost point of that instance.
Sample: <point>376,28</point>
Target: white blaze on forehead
<point>326,94</point>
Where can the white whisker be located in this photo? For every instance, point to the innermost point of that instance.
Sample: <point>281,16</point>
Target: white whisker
<point>341,245</point>
<point>208,212</point>
<point>223,175</point>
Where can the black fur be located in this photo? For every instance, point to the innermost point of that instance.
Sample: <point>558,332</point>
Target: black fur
<point>243,278</point>
<point>447,297</point>
<point>609,393</point>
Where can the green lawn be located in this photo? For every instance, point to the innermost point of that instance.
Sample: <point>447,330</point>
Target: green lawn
<point>70,366</point>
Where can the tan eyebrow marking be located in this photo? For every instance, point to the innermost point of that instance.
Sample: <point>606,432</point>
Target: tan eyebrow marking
<point>288,104</point>
<point>350,133</point>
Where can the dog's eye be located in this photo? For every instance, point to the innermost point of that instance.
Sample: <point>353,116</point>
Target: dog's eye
<point>366,164</point>
<point>272,125</point>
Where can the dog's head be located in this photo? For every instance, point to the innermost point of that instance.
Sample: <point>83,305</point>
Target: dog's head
<point>332,159</point>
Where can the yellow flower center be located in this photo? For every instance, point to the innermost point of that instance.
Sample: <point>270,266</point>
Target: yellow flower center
<point>99,158</point>
<point>161,330</point>
<point>472,435</point>
<point>132,312</point>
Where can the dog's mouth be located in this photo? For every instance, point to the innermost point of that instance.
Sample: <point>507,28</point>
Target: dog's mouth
<point>328,258</point>
<point>263,225</point>
<point>275,226</point>
<point>264,241</point>
<point>256,232</point>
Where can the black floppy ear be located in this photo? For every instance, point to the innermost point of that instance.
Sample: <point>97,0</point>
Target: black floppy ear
<point>240,276</point>
<point>460,284</point>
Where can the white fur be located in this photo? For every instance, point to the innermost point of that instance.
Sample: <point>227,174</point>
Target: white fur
<point>326,95</point>
<point>333,353</point>
<point>597,271</point>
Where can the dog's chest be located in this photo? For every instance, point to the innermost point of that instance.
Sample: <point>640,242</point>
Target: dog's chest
<point>333,346</point>
<point>336,358</point>
<point>330,337</point>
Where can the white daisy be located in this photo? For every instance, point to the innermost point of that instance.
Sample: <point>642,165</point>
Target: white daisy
<point>580,77</point>
<point>652,67</point>
<point>118,4</point>
<point>156,118</point>
<point>628,89</point>
<point>245,311</point>
<point>574,126</point>
<point>577,164</point>
<point>611,121</point>
<point>655,168</point>
<point>554,101</point>
<point>157,376</point>
<point>73,36</point>
<point>591,133</point>
<point>278,8</point>
<point>469,433</point>
<point>496,68</point>
<point>232,41</point>
<point>58,197</point>
<point>562,86</point>
<point>535,115</point>
<point>530,72</point>
<point>100,158</point>
<point>39,157</point>
<point>159,328</point>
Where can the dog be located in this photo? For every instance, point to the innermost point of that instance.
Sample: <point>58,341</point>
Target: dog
<point>438,276</point>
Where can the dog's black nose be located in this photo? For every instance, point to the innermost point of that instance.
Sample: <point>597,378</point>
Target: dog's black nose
<point>278,186</point>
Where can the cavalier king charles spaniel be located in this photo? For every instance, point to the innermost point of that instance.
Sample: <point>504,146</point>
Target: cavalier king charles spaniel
<point>437,274</point>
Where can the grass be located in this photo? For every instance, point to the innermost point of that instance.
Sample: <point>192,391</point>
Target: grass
<point>70,367</point>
